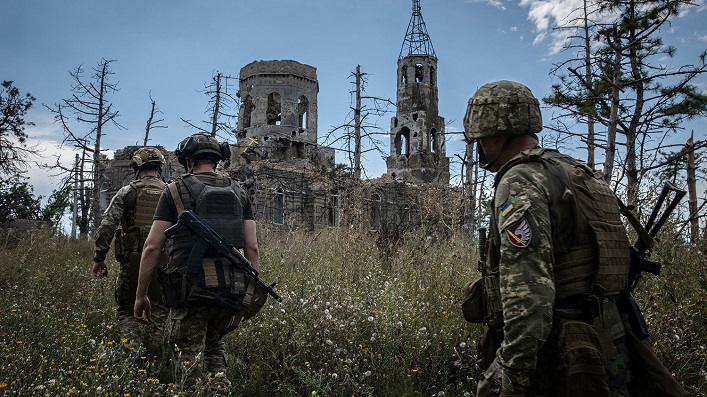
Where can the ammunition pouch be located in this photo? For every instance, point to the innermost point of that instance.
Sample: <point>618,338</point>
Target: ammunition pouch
<point>118,248</point>
<point>171,280</point>
<point>218,284</point>
<point>579,368</point>
<point>473,307</point>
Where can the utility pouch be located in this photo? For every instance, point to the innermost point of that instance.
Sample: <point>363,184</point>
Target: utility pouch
<point>220,273</point>
<point>473,307</point>
<point>214,298</point>
<point>577,354</point>
<point>170,279</point>
<point>118,248</point>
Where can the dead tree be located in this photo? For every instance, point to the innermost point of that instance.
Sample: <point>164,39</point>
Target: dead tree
<point>357,127</point>
<point>221,122</point>
<point>92,110</point>
<point>151,122</point>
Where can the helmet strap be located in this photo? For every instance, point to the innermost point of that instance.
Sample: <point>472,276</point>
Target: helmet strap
<point>488,165</point>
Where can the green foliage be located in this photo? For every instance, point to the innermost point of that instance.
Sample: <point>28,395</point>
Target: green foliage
<point>346,326</point>
<point>13,150</point>
<point>17,201</point>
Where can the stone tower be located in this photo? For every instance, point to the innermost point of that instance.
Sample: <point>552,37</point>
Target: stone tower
<point>277,120</point>
<point>417,143</point>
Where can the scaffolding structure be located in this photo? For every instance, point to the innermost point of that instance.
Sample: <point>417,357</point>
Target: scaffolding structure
<point>417,40</point>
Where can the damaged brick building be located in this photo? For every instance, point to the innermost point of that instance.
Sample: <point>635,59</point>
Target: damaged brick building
<point>293,181</point>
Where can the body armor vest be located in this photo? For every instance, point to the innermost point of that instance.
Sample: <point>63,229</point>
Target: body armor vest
<point>217,201</point>
<point>596,260</point>
<point>137,220</point>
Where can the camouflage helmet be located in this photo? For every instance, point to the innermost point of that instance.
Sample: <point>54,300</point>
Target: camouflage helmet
<point>502,108</point>
<point>204,145</point>
<point>147,156</point>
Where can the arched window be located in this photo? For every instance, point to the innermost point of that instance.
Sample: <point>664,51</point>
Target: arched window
<point>333,210</point>
<point>402,142</point>
<point>404,75</point>
<point>434,140</point>
<point>432,75</point>
<point>278,209</point>
<point>274,112</point>
<point>376,201</point>
<point>303,110</point>
<point>247,110</point>
<point>419,73</point>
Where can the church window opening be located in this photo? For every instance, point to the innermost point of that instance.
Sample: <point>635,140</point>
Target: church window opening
<point>303,110</point>
<point>274,111</point>
<point>402,142</point>
<point>333,210</point>
<point>247,111</point>
<point>376,202</point>
<point>419,73</point>
<point>278,212</point>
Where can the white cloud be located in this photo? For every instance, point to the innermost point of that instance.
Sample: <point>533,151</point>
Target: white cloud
<point>493,3</point>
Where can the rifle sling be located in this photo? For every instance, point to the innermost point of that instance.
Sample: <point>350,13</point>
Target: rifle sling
<point>176,197</point>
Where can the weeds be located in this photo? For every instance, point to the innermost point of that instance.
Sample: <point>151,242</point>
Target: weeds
<point>352,322</point>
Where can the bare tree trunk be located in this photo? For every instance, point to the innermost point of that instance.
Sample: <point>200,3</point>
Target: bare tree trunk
<point>85,204</point>
<point>692,190</point>
<point>149,124</point>
<point>357,126</point>
<point>95,204</point>
<point>470,209</point>
<point>217,103</point>
<point>614,111</point>
<point>589,78</point>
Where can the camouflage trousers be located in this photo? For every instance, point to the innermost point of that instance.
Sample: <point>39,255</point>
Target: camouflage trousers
<point>145,342</point>
<point>199,352</point>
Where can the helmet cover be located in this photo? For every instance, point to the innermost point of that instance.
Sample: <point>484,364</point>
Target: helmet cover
<point>147,155</point>
<point>502,108</point>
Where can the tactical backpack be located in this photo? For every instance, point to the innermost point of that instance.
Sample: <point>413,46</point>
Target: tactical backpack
<point>136,222</point>
<point>205,277</point>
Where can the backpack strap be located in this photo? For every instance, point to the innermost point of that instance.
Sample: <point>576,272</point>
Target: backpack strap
<point>176,197</point>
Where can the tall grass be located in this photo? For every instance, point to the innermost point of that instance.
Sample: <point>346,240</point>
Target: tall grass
<point>352,322</point>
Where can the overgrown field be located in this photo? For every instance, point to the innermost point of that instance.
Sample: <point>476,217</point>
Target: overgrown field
<point>351,322</point>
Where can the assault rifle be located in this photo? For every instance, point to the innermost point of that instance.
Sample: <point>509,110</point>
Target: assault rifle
<point>640,251</point>
<point>190,221</point>
<point>482,249</point>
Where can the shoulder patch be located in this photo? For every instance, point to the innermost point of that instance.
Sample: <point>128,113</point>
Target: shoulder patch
<point>506,208</point>
<point>519,233</point>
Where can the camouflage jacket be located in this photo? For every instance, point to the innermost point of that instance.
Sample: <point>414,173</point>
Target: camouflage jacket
<point>530,229</point>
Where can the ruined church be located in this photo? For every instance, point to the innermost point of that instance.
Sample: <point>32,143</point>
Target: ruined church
<point>293,181</point>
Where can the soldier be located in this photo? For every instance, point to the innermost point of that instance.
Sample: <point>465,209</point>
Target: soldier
<point>557,263</point>
<point>203,314</point>
<point>132,209</point>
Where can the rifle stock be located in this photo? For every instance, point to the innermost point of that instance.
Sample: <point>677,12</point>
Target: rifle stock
<point>190,221</point>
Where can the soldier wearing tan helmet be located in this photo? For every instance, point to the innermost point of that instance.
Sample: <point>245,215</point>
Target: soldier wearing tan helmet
<point>128,218</point>
<point>557,262</point>
<point>213,296</point>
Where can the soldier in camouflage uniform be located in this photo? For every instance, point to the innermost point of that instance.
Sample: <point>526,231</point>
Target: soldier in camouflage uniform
<point>128,218</point>
<point>557,260</point>
<point>198,322</point>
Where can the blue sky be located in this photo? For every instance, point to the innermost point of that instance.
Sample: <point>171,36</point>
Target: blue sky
<point>170,48</point>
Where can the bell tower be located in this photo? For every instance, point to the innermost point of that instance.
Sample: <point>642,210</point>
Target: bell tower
<point>417,143</point>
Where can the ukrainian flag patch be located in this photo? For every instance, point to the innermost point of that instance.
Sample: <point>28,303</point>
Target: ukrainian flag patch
<point>506,208</point>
